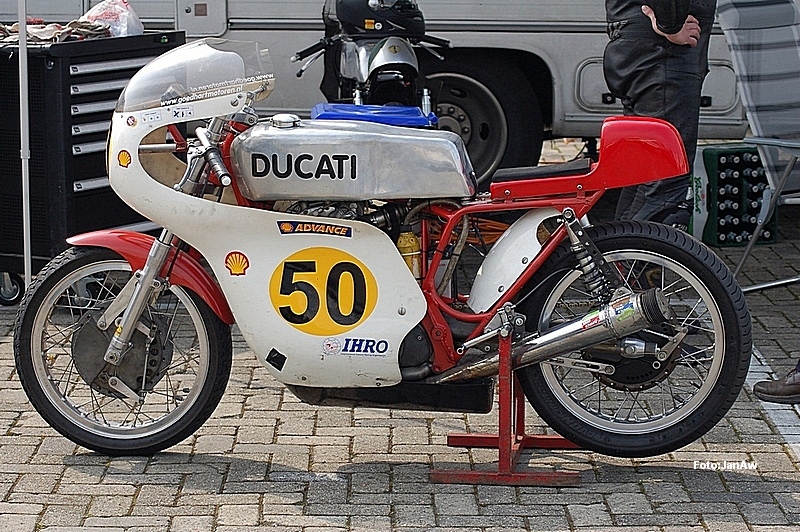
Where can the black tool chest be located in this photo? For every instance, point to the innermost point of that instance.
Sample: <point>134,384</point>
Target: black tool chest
<point>73,90</point>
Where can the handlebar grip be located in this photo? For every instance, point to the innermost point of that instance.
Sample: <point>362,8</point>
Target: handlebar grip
<point>306,52</point>
<point>214,159</point>
<point>436,41</point>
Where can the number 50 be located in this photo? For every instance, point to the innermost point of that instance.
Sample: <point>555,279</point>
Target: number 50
<point>344,287</point>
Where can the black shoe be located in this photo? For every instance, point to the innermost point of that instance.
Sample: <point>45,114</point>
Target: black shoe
<point>785,390</point>
<point>678,216</point>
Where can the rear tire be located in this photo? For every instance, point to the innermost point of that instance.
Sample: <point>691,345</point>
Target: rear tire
<point>647,406</point>
<point>180,358</point>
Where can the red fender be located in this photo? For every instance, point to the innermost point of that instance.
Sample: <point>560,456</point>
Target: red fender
<point>186,271</point>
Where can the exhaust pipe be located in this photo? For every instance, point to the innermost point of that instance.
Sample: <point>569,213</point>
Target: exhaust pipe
<point>622,317</point>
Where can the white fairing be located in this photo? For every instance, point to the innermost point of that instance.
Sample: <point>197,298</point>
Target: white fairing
<point>272,266</point>
<point>508,258</point>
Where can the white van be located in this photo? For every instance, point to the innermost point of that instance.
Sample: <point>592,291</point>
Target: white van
<point>522,70</point>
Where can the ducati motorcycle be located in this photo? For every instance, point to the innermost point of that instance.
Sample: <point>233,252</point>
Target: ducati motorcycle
<point>337,248</point>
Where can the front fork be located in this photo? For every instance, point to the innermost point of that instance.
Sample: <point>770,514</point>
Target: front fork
<point>146,286</point>
<point>146,283</point>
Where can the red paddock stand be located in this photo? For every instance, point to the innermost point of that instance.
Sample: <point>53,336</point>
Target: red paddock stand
<point>510,441</point>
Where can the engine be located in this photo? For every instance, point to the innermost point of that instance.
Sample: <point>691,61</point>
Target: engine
<point>385,216</point>
<point>326,209</point>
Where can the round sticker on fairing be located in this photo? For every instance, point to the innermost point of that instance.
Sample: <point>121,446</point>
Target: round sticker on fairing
<point>323,291</point>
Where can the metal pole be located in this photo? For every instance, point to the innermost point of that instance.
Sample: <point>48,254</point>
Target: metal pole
<point>773,202</point>
<point>24,134</point>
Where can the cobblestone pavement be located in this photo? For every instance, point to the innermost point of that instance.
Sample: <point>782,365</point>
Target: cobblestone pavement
<point>267,462</point>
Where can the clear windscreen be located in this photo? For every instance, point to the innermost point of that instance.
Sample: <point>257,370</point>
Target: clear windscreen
<point>203,69</point>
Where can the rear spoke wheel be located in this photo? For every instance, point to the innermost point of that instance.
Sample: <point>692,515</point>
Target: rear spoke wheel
<point>671,382</point>
<point>645,393</point>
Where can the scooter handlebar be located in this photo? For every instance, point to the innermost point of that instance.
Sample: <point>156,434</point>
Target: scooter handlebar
<point>314,48</point>
<point>436,41</point>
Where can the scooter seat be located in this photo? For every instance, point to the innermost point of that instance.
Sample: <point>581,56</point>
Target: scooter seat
<point>523,173</point>
<point>391,115</point>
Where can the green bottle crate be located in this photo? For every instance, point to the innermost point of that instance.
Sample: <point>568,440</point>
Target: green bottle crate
<point>734,196</point>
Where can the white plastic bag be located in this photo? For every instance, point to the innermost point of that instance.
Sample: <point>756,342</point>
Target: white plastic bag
<point>118,15</point>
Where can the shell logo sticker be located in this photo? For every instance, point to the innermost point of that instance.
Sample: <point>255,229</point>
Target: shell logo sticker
<point>124,158</point>
<point>237,263</point>
<point>323,291</point>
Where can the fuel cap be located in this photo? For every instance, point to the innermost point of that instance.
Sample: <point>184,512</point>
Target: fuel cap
<point>285,120</point>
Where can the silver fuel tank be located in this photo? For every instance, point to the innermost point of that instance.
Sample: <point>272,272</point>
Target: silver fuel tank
<point>286,158</point>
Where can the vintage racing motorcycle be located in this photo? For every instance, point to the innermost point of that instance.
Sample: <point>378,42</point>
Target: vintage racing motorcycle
<point>338,249</point>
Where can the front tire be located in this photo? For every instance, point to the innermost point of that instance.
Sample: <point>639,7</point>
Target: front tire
<point>180,358</point>
<point>648,406</point>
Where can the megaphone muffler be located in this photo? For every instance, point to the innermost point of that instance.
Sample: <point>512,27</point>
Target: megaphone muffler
<point>621,317</point>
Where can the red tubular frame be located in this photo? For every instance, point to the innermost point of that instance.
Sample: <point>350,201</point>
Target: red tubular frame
<point>445,355</point>
<point>633,150</point>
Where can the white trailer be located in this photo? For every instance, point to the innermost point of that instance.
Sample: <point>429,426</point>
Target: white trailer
<point>519,71</point>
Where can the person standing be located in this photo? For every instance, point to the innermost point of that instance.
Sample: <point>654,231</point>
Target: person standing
<point>655,64</point>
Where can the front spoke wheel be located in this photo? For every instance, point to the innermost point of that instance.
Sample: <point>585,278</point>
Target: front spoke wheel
<point>176,365</point>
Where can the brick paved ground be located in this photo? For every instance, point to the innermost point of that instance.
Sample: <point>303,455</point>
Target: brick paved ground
<point>267,462</point>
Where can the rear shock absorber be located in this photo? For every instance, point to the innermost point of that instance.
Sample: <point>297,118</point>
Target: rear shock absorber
<point>600,278</point>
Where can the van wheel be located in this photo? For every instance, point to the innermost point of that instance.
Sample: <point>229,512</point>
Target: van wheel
<point>492,107</point>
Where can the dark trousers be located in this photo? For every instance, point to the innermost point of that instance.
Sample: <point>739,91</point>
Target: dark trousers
<point>653,77</point>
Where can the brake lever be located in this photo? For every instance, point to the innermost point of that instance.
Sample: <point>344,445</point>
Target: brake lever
<point>308,63</point>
